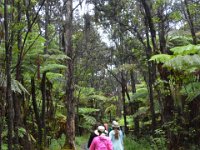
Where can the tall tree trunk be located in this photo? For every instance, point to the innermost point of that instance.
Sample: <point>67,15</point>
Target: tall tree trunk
<point>9,99</point>
<point>151,66</point>
<point>149,18</point>
<point>16,96</point>
<point>123,84</point>
<point>2,112</point>
<point>190,22</point>
<point>43,82</point>
<point>135,104</point>
<point>150,78</point>
<point>70,100</point>
<point>36,111</point>
<point>168,103</point>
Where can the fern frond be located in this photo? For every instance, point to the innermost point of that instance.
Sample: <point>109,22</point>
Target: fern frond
<point>141,112</point>
<point>192,90</point>
<point>185,50</point>
<point>56,57</point>
<point>98,97</point>
<point>50,67</point>
<point>141,93</point>
<point>161,58</point>
<point>179,40</point>
<point>16,86</point>
<point>52,75</point>
<point>89,119</point>
<point>87,110</point>
<point>183,62</point>
<point>111,108</point>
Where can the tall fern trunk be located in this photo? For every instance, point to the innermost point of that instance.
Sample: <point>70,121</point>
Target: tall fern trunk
<point>43,82</point>
<point>70,100</point>
<point>50,106</point>
<point>36,112</point>
<point>42,118</point>
<point>9,99</point>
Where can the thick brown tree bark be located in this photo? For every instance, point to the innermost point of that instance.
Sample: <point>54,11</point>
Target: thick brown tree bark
<point>70,100</point>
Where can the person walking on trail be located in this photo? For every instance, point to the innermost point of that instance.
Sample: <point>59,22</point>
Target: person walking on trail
<point>116,136</point>
<point>101,142</point>
<point>93,134</point>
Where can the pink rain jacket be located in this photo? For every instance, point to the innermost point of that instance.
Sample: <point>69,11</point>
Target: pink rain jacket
<point>101,143</point>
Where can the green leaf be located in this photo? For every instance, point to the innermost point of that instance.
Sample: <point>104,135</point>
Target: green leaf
<point>186,62</point>
<point>185,50</point>
<point>21,132</point>
<point>87,110</point>
<point>161,58</point>
<point>52,75</point>
<point>141,112</point>
<point>56,57</point>
<point>112,108</point>
<point>98,97</point>
<point>54,145</point>
<point>51,67</point>
<point>89,119</point>
<point>16,86</point>
<point>141,93</point>
<point>192,90</point>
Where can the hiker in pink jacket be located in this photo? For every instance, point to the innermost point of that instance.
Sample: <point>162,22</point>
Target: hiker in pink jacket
<point>101,142</point>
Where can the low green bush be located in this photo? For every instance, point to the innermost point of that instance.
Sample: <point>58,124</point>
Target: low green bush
<point>136,144</point>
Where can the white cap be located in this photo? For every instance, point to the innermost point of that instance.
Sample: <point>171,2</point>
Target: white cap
<point>101,128</point>
<point>115,124</point>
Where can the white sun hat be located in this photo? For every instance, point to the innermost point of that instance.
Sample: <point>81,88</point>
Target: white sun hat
<point>101,129</point>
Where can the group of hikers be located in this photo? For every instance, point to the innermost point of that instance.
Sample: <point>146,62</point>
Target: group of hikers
<point>104,138</point>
